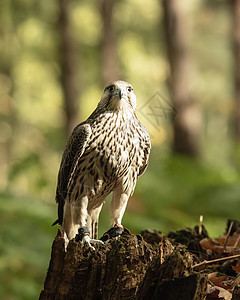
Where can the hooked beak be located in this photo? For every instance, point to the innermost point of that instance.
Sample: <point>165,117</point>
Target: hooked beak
<point>119,93</point>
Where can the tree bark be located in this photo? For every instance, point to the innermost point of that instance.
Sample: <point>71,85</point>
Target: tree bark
<point>110,63</point>
<point>236,50</point>
<point>186,123</point>
<point>68,62</point>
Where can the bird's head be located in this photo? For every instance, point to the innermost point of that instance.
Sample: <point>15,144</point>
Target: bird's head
<point>119,95</point>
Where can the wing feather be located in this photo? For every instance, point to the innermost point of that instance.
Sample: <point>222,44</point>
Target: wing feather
<point>74,150</point>
<point>146,151</point>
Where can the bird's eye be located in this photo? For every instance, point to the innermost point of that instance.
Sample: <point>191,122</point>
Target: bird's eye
<point>110,88</point>
<point>129,89</point>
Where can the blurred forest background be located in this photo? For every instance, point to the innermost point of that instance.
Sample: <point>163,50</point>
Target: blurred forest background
<point>183,59</point>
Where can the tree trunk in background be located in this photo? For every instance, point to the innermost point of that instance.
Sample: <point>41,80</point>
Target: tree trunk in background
<point>110,68</point>
<point>236,48</point>
<point>186,123</point>
<point>68,58</point>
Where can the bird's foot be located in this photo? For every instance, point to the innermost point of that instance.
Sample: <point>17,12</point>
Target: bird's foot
<point>115,231</point>
<point>88,241</point>
<point>83,236</point>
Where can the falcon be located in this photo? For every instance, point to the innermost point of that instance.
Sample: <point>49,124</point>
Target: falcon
<point>104,154</point>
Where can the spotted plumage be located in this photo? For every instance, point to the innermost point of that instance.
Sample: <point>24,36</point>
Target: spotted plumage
<point>106,153</point>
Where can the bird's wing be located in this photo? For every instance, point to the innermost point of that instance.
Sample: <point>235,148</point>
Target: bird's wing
<point>146,145</point>
<point>74,149</point>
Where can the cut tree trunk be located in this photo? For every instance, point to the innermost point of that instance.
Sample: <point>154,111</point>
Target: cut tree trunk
<point>126,267</point>
<point>186,123</point>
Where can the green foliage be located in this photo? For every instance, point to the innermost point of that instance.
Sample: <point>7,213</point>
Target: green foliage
<point>177,190</point>
<point>25,235</point>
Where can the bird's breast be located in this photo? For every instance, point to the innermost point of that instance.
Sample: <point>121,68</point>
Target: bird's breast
<point>113,149</point>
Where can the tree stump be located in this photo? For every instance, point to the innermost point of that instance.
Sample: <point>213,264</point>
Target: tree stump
<point>126,267</point>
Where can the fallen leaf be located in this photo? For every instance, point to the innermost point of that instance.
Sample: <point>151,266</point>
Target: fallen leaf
<point>220,281</point>
<point>221,240</point>
<point>215,292</point>
<point>212,292</point>
<point>226,295</point>
<point>237,267</point>
<point>207,243</point>
<point>233,240</point>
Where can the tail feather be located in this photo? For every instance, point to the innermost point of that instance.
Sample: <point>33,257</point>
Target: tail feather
<point>56,222</point>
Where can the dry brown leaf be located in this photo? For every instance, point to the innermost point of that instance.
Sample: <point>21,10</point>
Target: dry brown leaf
<point>221,240</point>
<point>207,243</point>
<point>215,292</point>
<point>212,275</point>
<point>212,292</point>
<point>233,240</point>
<point>220,281</point>
<point>237,267</point>
<point>226,295</point>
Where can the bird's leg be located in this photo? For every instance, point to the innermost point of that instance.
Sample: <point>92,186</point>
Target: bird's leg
<point>80,216</point>
<point>117,208</point>
<point>93,220</point>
